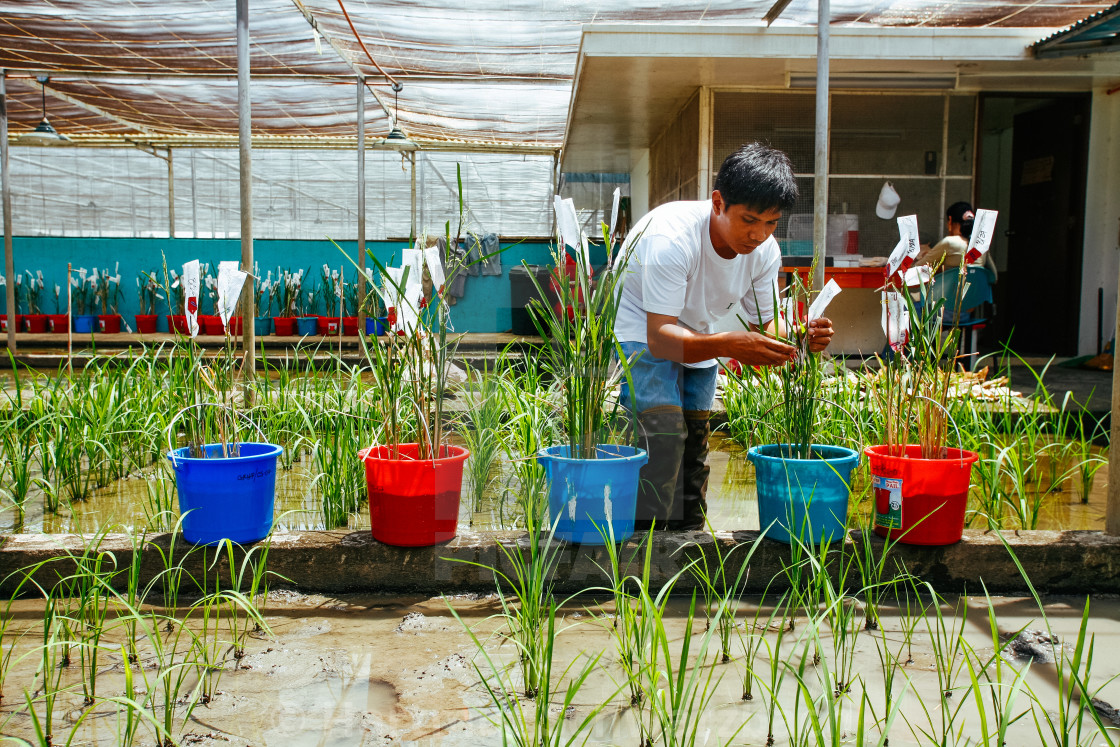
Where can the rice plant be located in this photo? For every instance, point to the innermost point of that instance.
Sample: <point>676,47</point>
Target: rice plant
<point>483,431</point>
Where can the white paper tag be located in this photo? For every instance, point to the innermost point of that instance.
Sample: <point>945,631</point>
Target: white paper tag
<point>895,319</point>
<point>566,221</point>
<point>907,248</point>
<point>390,288</point>
<point>413,259</point>
<point>190,295</point>
<point>823,299</point>
<point>894,262</point>
<point>230,282</point>
<point>983,228</point>
<point>435,267</point>
<point>919,275</point>
<point>615,200</point>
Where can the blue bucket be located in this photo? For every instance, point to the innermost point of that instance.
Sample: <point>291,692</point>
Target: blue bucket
<point>589,492</point>
<point>85,323</point>
<point>307,325</point>
<point>228,498</point>
<point>803,496</point>
<point>375,325</point>
<point>262,325</point>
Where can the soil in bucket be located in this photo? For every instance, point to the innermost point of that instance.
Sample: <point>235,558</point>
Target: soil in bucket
<point>413,502</point>
<point>920,501</point>
<point>226,498</point>
<point>585,495</point>
<point>804,499</point>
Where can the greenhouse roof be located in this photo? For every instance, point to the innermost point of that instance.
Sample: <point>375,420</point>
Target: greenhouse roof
<point>483,74</point>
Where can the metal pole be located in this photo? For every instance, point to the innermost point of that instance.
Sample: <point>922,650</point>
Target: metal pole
<point>245,146</point>
<point>69,319</point>
<point>194,201</point>
<point>1112,508</point>
<point>820,148</point>
<point>170,195</point>
<point>412,203</point>
<point>361,206</point>
<point>9,260</point>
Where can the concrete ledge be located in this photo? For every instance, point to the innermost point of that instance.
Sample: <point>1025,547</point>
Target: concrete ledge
<point>335,562</point>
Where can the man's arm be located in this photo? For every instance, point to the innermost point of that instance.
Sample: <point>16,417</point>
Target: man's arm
<point>670,341</point>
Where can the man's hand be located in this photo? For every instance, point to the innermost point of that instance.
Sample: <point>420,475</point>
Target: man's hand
<point>758,349</point>
<point>820,334</point>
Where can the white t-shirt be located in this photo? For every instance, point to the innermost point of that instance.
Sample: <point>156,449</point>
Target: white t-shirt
<point>673,269</point>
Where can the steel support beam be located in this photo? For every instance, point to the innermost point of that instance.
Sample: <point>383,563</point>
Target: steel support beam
<point>361,206</point>
<point>6,188</point>
<point>245,148</point>
<point>820,148</point>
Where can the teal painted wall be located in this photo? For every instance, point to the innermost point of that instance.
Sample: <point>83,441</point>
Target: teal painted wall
<point>484,308</point>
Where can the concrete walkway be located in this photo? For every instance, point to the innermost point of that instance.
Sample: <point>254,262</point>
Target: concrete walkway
<point>338,562</point>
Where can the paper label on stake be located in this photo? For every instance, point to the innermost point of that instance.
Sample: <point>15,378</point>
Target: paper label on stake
<point>616,199</point>
<point>435,267</point>
<point>983,228</point>
<point>190,295</point>
<point>823,299</point>
<point>892,487</point>
<point>895,320</point>
<point>907,248</point>
<point>230,281</point>
<point>566,221</point>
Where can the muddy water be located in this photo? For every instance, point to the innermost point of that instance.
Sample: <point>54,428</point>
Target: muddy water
<point>731,501</point>
<point>375,670</point>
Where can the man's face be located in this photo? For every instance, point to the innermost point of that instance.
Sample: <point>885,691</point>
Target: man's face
<point>739,228</point>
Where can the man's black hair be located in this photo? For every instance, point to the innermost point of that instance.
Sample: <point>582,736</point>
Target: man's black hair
<point>759,177</point>
<point>957,213</point>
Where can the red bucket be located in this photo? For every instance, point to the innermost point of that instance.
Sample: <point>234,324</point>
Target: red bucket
<point>350,326</point>
<point>146,324</point>
<point>58,323</point>
<point>329,325</point>
<point>109,323</point>
<point>178,323</point>
<point>413,502</point>
<point>284,325</point>
<point>920,501</point>
<point>35,323</point>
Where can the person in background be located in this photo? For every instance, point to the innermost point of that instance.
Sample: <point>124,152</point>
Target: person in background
<point>949,252</point>
<point>687,265</point>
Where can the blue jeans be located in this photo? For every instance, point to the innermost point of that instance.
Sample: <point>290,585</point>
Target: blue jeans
<point>660,383</point>
<point>671,404</point>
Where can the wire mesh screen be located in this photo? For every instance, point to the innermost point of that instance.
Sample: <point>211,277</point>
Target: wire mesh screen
<point>593,196</point>
<point>297,193</point>
<point>874,138</point>
<point>674,158</point>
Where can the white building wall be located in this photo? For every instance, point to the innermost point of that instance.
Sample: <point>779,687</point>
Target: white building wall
<point>639,184</point>
<point>1101,259</point>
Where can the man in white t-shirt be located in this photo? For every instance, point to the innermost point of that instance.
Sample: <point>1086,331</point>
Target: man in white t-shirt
<point>690,264</point>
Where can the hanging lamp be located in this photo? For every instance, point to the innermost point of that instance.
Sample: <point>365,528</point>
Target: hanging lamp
<point>44,133</point>
<point>396,139</point>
